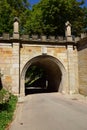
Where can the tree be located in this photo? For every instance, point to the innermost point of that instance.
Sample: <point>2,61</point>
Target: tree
<point>4,16</point>
<point>49,17</point>
<point>46,17</point>
<point>85,20</point>
<point>10,9</point>
<point>34,23</point>
<point>33,74</point>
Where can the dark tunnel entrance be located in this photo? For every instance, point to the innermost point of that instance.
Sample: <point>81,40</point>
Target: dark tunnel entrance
<point>43,76</point>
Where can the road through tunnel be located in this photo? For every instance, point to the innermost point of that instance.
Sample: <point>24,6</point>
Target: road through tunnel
<point>43,74</point>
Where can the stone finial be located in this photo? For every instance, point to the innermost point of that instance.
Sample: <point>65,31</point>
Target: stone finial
<point>68,29</point>
<point>16,25</point>
<point>16,28</point>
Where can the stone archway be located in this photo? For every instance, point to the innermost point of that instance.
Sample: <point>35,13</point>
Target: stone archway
<point>54,69</point>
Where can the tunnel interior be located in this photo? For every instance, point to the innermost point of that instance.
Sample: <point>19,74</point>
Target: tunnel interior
<point>43,76</point>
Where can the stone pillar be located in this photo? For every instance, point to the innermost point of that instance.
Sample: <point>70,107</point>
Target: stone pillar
<point>16,69</point>
<point>16,60</point>
<point>16,28</point>
<point>72,69</point>
<point>68,31</point>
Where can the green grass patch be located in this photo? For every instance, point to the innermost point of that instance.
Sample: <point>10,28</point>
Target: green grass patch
<point>7,111</point>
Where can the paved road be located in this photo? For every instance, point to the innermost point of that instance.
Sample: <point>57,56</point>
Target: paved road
<point>50,112</point>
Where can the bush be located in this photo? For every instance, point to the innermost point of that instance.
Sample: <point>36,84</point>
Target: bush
<point>4,96</point>
<point>7,111</point>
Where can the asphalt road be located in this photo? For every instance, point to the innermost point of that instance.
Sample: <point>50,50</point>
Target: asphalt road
<point>50,112</point>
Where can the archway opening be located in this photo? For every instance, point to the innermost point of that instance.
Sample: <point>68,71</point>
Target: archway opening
<point>36,80</point>
<point>43,75</point>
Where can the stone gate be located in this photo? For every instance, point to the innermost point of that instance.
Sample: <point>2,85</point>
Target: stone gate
<point>62,58</point>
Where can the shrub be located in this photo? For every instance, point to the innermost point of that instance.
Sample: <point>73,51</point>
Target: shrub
<point>7,111</point>
<point>4,96</point>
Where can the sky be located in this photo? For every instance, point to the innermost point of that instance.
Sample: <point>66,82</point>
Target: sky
<point>32,2</point>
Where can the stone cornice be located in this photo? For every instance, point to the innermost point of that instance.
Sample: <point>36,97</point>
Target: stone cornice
<point>55,41</point>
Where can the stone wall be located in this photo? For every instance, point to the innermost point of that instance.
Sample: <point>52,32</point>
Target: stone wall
<point>28,52</point>
<point>82,65</point>
<point>6,56</point>
<point>15,55</point>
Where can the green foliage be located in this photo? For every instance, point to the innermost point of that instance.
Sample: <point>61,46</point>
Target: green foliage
<point>46,17</point>
<point>33,74</point>
<point>49,17</point>
<point>85,19</point>
<point>34,22</point>
<point>4,96</point>
<point>10,9</point>
<point>6,112</point>
<point>0,80</point>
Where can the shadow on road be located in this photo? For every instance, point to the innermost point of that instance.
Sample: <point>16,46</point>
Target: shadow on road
<point>32,90</point>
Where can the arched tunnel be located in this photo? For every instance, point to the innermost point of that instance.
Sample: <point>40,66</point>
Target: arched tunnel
<point>51,79</point>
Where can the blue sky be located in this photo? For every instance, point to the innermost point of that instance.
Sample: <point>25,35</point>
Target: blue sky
<point>36,1</point>
<point>33,1</point>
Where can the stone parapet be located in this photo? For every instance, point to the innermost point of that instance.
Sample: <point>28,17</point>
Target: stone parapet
<point>83,35</point>
<point>35,39</point>
<point>43,38</point>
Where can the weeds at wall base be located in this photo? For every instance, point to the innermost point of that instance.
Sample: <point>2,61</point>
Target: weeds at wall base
<point>7,112</point>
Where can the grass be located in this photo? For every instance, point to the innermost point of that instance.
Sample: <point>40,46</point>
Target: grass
<point>7,111</point>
